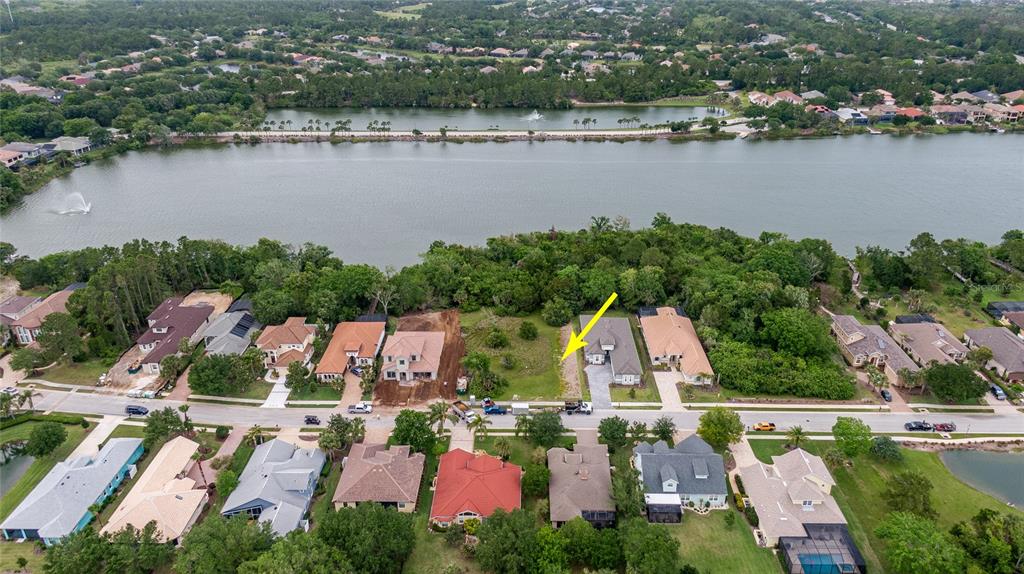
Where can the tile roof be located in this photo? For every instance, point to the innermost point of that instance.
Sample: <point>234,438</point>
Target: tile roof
<point>427,345</point>
<point>580,480</point>
<point>614,331</point>
<point>294,331</point>
<point>478,483</point>
<point>374,472</point>
<point>360,338</point>
<point>668,333</point>
<point>55,303</point>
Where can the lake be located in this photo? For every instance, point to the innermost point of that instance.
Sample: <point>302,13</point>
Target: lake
<point>12,472</point>
<point>383,203</point>
<point>408,119</point>
<point>1000,474</point>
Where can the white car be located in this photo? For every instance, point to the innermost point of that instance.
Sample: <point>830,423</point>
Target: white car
<point>360,408</point>
<point>10,390</point>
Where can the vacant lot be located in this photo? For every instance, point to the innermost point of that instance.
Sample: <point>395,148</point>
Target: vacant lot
<point>219,301</point>
<point>84,373</point>
<point>534,374</point>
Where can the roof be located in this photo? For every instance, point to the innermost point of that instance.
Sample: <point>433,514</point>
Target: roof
<point>62,498</point>
<point>374,472</point>
<point>230,333</point>
<point>998,308</point>
<point>614,331</point>
<point>929,341</point>
<point>281,478</point>
<point>692,463</point>
<point>180,322</point>
<point>14,306</point>
<point>869,340</point>
<point>668,333</point>
<point>162,494</point>
<point>358,338</point>
<point>66,143</point>
<point>915,318</point>
<point>294,331</point>
<point>1015,318</point>
<point>426,345</point>
<point>581,480</point>
<point>1007,349</point>
<point>478,483</point>
<point>55,303</point>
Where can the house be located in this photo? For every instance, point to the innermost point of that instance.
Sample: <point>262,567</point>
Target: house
<point>851,116</point>
<point>788,96</point>
<point>277,486</point>
<point>911,113</point>
<point>610,342</point>
<point>863,345</point>
<point>812,95</point>
<point>887,98</point>
<point>1016,95</point>
<point>77,79</point>
<point>1007,350</point>
<point>10,159</point>
<point>438,48</point>
<point>74,146</point>
<point>546,52</point>
<point>1001,114</point>
<point>883,112</point>
<point>500,53</point>
<point>928,343</point>
<point>285,344</point>
<point>389,476</point>
<point>671,340</point>
<point>949,114</point>
<point>589,55</point>
<point>1000,308</point>
<point>27,325</point>
<point>410,356</point>
<point>760,99</point>
<point>821,110</point>
<point>168,324</point>
<point>488,70</point>
<point>530,70</point>
<point>975,114</point>
<point>473,486</point>
<point>520,53</point>
<point>963,96</point>
<point>61,503</point>
<point>230,333</point>
<point>581,485</point>
<point>12,309</point>
<point>353,343</point>
<point>689,475</point>
<point>163,494</point>
<point>986,96</point>
<point>1016,319</point>
<point>31,152</point>
<point>630,57</point>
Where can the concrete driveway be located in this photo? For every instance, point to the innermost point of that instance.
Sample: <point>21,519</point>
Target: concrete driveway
<point>599,377</point>
<point>667,382</point>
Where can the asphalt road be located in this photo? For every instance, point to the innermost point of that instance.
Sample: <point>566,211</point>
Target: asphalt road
<point>211,414</point>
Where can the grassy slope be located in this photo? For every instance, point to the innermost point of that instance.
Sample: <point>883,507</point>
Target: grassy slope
<point>40,467</point>
<point>318,393</point>
<point>536,374</point>
<point>703,539</point>
<point>860,491</point>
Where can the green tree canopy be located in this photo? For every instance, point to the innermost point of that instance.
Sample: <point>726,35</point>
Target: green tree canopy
<point>720,427</point>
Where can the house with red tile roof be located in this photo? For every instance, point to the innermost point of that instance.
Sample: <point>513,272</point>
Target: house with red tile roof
<point>474,486</point>
<point>354,343</point>
<point>27,326</point>
<point>168,324</point>
<point>285,344</point>
<point>12,309</point>
<point>912,113</point>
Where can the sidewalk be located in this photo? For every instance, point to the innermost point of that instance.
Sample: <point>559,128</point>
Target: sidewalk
<point>90,445</point>
<point>227,448</point>
<point>461,438</point>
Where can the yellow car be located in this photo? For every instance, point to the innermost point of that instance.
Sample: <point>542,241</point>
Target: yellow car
<point>764,427</point>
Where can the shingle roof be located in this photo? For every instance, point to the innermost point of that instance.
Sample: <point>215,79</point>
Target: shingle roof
<point>374,472</point>
<point>614,331</point>
<point>1007,349</point>
<point>681,463</point>
<point>873,340</point>
<point>580,480</point>
<point>929,341</point>
<point>478,483</point>
<point>230,333</point>
<point>360,338</point>
<point>55,303</point>
<point>181,322</point>
<point>427,345</point>
<point>15,305</point>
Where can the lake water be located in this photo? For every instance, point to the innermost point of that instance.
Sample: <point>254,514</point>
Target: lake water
<point>407,119</point>
<point>1000,474</point>
<point>383,203</point>
<point>12,472</point>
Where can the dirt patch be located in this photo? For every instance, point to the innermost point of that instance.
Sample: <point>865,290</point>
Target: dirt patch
<point>8,287</point>
<point>119,380</point>
<point>449,371</point>
<point>570,372</point>
<point>219,301</point>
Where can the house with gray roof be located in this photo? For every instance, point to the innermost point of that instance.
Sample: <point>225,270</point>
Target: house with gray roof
<point>1007,350</point>
<point>610,342</point>
<point>581,485</point>
<point>59,505</point>
<point>277,485</point>
<point>230,333</point>
<point>863,345</point>
<point>689,475</point>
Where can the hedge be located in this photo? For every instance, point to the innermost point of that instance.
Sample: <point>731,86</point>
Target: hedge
<point>26,417</point>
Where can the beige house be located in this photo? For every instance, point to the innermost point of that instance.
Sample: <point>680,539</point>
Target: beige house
<point>671,340</point>
<point>354,343</point>
<point>411,356</point>
<point>376,473</point>
<point>1002,114</point>
<point>581,485</point>
<point>285,344</point>
<point>928,343</point>
<point>163,494</point>
<point>863,345</point>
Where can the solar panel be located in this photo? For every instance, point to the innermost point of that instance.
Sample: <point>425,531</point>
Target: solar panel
<point>243,325</point>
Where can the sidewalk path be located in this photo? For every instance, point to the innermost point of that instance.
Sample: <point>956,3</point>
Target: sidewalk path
<point>227,448</point>
<point>90,445</point>
<point>461,438</point>
<point>181,389</point>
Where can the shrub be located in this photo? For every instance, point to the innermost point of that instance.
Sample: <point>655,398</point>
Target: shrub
<point>496,339</point>
<point>455,535</point>
<point>527,331</point>
<point>739,484</point>
<point>556,312</point>
<point>508,361</point>
<point>471,525</point>
<point>222,432</point>
<point>738,499</point>
<point>885,449</point>
<point>751,515</point>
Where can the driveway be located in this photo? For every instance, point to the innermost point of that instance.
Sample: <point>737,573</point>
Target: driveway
<point>278,395</point>
<point>353,392</point>
<point>668,388</point>
<point>461,438</point>
<point>599,377</point>
<point>90,445</point>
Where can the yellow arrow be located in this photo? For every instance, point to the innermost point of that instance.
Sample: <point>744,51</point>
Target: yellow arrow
<point>576,342</point>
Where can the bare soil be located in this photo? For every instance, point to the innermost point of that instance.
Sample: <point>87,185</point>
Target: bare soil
<point>220,301</point>
<point>391,393</point>
<point>570,374</point>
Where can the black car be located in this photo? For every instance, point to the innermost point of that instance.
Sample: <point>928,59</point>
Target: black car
<point>886,395</point>
<point>136,410</point>
<point>312,420</point>
<point>918,426</point>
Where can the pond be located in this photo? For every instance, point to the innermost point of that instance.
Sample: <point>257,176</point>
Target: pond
<point>12,472</point>
<point>1000,474</point>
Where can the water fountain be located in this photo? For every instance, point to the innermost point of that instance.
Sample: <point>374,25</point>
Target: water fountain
<point>75,204</point>
<point>535,116</point>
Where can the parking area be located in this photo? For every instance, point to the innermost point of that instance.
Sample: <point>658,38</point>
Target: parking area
<point>599,377</point>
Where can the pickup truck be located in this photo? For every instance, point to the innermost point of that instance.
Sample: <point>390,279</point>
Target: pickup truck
<point>578,407</point>
<point>492,408</point>
<point>360,408</point>
<point>463,411</point>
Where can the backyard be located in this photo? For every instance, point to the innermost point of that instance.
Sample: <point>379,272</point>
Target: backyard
<point>703,539</point>
<point>535,373</point>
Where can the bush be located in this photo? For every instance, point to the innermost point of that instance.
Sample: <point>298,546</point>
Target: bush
<point>455,535</point>
<point>738,499</point>
<point>739,484</point>
<point>222,432</point>
<point>556,312</point>
<point>509,361</point>
<point>885,449</point>
<point>751,515</point>
<point>527,331</point>
<point>496,339</point>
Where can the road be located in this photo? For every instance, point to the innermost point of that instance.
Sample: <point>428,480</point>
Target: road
<point>211,414</point>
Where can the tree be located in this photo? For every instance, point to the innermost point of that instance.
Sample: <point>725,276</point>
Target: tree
<point>626,491</point>
<point>299,378</point>
<point>852,436</point>
<point>479,426</point>
<point>528,330</point>
<point>552,548</point>
<point>503,447</point>
<point>795,435</point>
<point>26,359</point>
<point>413,428</point>
<point>137,551</point>
<point>59,337</point>
<point>227,482</point>
<point>648,548</point>
<point>664,428</point>
<point>45,438</point>
<point>375,538</point>
<point>798,332</point>
<point>255,435</point>
<point>535,480</point>
<point>885,449</point>
<point>219,545</point>
<point>614,431</point>
<point>439,413</point>
<point>83,551</point>
<point>720,427</point>
<point>954,383</point>
<point>522,426</point>
<point>978,357</point>
<point>26,396</point>
<point>508,542</point>
<point>299,553</point>
<point>995,540</point>
<point>162,424</point>
<point>545,429</point>
<point>915,544</point>
<point>910,491</point>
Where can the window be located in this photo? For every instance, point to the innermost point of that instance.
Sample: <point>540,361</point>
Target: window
<point>391,374</point>
<point>808,505</point>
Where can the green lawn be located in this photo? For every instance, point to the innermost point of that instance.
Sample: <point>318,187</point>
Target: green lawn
<point>647,393</point>
<point>128,431</point>
<point>259,390</point>
<point>521,448</point>
<point>84,373</point>
<point>707,543</point>
<point>722,394</point>
<point>432,555</point>
<point>322,504</point>
<point>40,466</point>
<point>11,551</point>
<point>860,489</point>
<point>317,393</point>
<point>536,373</point>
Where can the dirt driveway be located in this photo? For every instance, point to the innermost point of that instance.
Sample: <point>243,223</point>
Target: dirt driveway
<point>391,393</point>
<point>570,372</point>
<point>119,380</point>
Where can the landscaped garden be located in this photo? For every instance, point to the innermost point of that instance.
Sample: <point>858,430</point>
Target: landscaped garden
<point>531,365</point>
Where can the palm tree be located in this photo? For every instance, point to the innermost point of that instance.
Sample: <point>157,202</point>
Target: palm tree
<point>576,123</point>
<point>6,405</point>
<point>504,447</point>
<point>357,430</point>
<point>479,425</point>
<point>26,397</point>
<point>795,435</point>
<point>438,414</point>
<point>255,434</point>
<point>523,425</point>
<point>184,411</point>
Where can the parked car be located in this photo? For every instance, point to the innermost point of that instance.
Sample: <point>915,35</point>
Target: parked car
<point>312,420</point>
<point>360,408</point>
<point>357,371</point>
<point>136,410</point>
<point>578,408</point>
<point>998,393</point>
<point>918,426</point>
<point>493,408</point>
<point>944,427</point>
<point>886,395</point>
<point>764,427</point>
<point>10,390</point>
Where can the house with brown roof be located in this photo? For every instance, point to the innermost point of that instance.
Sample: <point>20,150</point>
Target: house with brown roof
<point>411,356</point>
<point>375,473</point>
<point>285,344</point>
<point>788,96</point>
<point>474,486</point>
<point>581,485</point>
<point>163,494</point>
<point>671,340</point>
<point>27,326</point>
<point>168,324</point>
<point>12,309</point>
<point>1007,350</point>
<point>928,343</point>
<point>354,343</point>
<point>1002,114</point>
<point>863,345</point>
